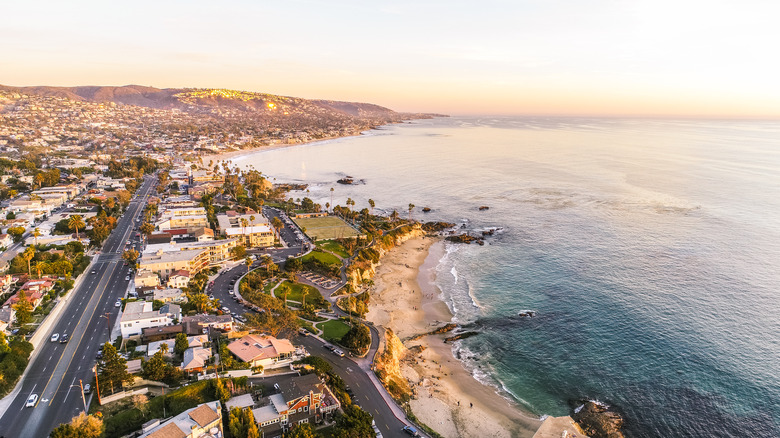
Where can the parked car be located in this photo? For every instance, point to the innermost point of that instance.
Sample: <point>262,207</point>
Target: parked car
<point>410,431</point>
<point>55,337</point>
<point>127,278</point>
<point>93,271</point>
<point>338,352</point>
<point>329,347</point>
<point>31,400</point>
<point>87,388</point>
<point>64,338</point>
<point>303,332</point>
<point>118,303</point>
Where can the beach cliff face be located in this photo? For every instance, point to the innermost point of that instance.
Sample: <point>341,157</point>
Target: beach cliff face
<point>364,269</point>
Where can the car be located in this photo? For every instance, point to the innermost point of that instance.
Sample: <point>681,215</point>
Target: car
<point>376,430</point>
<point>31,400</point>
<point>127,278</point>
<point>93,271</point>
<point>409,430</point>
<point>225,310</point>
<point>118,303</point>
<point>99,354</point>
<point>329,347</point>
<point>64,338</point>
<point>55,337</point>
<point>87,388</point>
<point>231,292</point>
<point>338,352</point>
<point>303,332</point>
<point>128,243</point>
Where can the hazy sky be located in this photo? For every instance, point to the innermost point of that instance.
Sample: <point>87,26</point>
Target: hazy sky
<point>630,57</point>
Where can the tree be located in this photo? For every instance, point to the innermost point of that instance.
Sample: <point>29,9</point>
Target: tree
<point>372,204</point>
<point>23,309</point>
<point>278,225</point>
<point>301,430</point>
<point>130,256</point>
<point>201,302</point>
<point>36,234</point>
<point>331,195</point>
<point>238,252</point>
<point>394,215</point>
<point>181,344</point>
<point>164,349</point>
<point>82,426</point>
<point>29,254</point>
<point>304,292</point>
<point>112,370</point>
<point>284,290</point>
<point>75,223</point>
<point>155,368</point>
<point>147,228</point>
<point>248,262</point>
<point>354,423</point>
<point>16,233</point>
<point>124,197</point>
<point>242,423</point>
<point>411,207</point>
<point>357,338</point>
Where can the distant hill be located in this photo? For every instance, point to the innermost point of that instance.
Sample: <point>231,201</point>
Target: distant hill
<point>192,99</point>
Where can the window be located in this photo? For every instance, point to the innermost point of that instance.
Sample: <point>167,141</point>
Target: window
<point>305,409</point>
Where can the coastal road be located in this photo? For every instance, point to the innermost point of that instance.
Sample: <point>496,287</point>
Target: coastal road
<point>56,368</point>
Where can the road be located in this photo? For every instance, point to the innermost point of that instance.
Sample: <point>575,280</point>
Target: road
<point>365,393</point>
<point>56,369</point>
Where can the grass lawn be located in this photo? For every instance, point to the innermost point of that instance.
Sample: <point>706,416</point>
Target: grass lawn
<point>334,329</point>
<point>296,294</point>
<point>323,257</point>
<point>334,247</point>
<point>307,325</point>
<point>326,228</point>
<point>270,285</point>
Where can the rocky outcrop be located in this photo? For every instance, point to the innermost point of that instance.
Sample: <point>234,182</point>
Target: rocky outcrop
<point>435,227</point>
<point>483,208</point>
<point>598,421</point>
<point>465,238</point>
<point>458,336</point>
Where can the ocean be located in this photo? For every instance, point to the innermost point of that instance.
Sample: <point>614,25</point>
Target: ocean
<point>650,250</point>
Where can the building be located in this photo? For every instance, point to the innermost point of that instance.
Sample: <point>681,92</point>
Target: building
<point>170,295</point>
<point>182,222</point>
<point>146,278</point>
<point>6,317</point>
<point>166,263</point>
<point>197,324</point>
<point>195,359</point>
<point>218,250</point>
<point>6,240</point>
<point>199,176</point>
<point>153,334</point>
<point>263,350</point>
<point>179,279</point>
<point>251,237</point>
<point>204,421</point>
<point>139,315</point>
<point>301,400</point>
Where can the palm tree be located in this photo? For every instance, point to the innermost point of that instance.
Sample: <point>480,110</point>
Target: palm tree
<point>248,263</point>
<point>75,222</point>
<point>371,204</point>
<point>304,292</point>
<point>285,291</point>
<point>164,348</point>
<point>411,207</point>
<point>331,195</point>
<point>36,234</point>
<point>29,254</point>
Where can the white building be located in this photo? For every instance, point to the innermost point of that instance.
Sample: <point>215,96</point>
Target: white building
<point>139,315</point>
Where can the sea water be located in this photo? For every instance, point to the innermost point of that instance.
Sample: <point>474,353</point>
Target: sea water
<point>650,250</point>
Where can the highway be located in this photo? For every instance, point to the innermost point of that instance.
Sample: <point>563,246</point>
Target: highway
<point>56,368</point>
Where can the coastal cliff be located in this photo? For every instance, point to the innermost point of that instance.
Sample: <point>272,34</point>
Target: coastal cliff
<point>363,268</point>
<point>388,367</point>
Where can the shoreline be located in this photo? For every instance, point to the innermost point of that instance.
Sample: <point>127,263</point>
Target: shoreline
<point>447,396</point>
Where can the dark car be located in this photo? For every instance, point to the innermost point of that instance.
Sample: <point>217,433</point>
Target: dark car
<point>64,338</point>
<point>410,431</point>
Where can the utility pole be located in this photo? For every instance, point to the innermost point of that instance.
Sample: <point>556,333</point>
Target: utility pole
<point>97,385</point>
<point>81,384</point>
<point>107,315</point>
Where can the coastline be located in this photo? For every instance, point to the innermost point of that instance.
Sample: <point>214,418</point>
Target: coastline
<point>447,397</point>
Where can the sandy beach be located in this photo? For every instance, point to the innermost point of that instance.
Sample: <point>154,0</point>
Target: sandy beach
<point>447,398</point>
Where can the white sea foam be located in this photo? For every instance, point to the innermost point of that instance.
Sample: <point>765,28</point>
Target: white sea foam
<point>474,300</point>
<point>454,273</point>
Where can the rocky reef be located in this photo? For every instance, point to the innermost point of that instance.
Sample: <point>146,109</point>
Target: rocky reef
<point>598,421</point>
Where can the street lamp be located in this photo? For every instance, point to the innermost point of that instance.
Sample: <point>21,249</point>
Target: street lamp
<point>107,315</point>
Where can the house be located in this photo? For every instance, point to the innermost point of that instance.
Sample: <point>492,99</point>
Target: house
<point>204,421</point>
<point>179,279</point>
<point>195,358</point>
<point>139,315</point>
<point>203,234</point>
<point>253,236</point>
<point>197,324</point>
<point>263,350</point>
<point>170,295</point>
<point>145,278</point>
<point>6,317</point>
<point>300,400</point>
<point>152,334</point>
<point>34,298</point>
<point>6,240</point>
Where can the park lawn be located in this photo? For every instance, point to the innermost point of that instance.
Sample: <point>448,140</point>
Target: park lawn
<point>333,330</point>
<point>326,227</point>
<point>296,294</point>
<point>307,325</point>
<point>268,286</point>
<point>334,247</point>
<point>322,257</point>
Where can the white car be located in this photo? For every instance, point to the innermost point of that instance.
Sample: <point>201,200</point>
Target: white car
<point>55,337</point>
<point>31,401</point>
<point>127,278</point>
<point>118,303</point>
